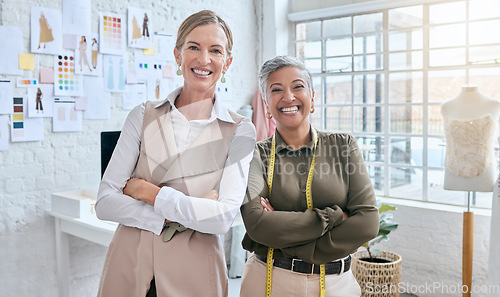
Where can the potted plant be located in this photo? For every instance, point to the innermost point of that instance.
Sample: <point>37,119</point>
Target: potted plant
<point>378,272</point>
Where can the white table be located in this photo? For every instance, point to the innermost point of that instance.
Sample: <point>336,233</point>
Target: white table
<point>89,228</point>
<point>101,232</point>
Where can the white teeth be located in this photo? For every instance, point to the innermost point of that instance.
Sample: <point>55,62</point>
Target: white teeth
<point>201,72</point>
<point>290,109</point>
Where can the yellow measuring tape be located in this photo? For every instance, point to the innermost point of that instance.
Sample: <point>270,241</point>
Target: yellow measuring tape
<point>270,251</point>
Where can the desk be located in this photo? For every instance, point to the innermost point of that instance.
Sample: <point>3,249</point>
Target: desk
<point>88,228</point>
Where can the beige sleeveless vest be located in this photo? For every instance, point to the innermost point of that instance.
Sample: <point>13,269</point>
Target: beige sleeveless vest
<point>191,263</point>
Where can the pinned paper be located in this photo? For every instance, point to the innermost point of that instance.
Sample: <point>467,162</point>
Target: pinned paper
<point>150,51</point>
<point>131,78</point>
<point>46,75</point>
<point>168,71</point>
<point>69,41</point>
<point>26,61</point>
<point>81,103</point>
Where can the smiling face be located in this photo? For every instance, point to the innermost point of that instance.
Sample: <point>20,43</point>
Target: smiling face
<point>203,57</point>
<point>289,98</point>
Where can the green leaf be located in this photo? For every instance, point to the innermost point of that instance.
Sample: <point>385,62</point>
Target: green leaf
<point>385,207</point>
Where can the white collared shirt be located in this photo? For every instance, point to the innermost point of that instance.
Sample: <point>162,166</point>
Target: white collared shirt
<point>171,204</point>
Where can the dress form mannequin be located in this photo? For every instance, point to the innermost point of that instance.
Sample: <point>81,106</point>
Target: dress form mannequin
<point>470,121</point>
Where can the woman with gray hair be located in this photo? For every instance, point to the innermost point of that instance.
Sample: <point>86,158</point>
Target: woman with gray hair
<point>310,202</point>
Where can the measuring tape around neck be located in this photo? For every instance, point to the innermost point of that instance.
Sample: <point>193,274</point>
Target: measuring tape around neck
<point>270,251</point>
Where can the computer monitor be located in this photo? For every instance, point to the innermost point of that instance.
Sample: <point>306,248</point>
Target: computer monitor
<point>108,143</point>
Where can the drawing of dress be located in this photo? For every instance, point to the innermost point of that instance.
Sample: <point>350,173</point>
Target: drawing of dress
<point>136,31</point>
<point>45,31</point>
<point>111,78</point>
<point>121,77</point>
<point>145,30</point>
<point>38,100</point>
<point>83,54</point>
<point>95,48</point>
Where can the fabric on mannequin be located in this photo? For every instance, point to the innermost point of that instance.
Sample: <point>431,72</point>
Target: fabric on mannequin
<point>264,126</point>
<point>470,121</point>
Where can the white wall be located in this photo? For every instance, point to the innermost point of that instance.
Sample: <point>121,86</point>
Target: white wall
<point>31,171</point>
<point>430,243</point>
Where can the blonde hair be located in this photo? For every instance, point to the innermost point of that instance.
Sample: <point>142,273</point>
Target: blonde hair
<point>200,18</point>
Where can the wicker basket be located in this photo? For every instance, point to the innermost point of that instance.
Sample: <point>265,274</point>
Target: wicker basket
<point>377,279</point>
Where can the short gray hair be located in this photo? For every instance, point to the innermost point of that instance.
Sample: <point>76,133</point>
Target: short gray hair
<point>279,62</point>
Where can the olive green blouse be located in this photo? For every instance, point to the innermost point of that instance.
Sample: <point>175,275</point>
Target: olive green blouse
<point>340,184</point>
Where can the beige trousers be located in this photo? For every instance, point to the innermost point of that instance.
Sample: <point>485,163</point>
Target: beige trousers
<point>191,264</point>
<point>290,284</point>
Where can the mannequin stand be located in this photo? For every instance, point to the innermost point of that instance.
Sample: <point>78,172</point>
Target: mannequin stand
<point>468,247</point>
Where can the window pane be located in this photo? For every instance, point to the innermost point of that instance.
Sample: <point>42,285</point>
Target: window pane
<point>339,119</point>
<point>339,47</point>
<point>406,119</point>
<point>481,32</point>
<point>406,150</point>
<point>312,49</point>
<point>435,123</point>
<point>483,9</point>
<point>443,85</point>
<point>368,88</point>
<point>368,23</point>
<point>406,182</point>
<point>405,40</point>
<point>316,119</point>
<point>436,193</point>
<point>443,36</point>
<point>313,65</point>
<point>411,16</point>
<point>487,80</point>
<point>341,64</point>
<point>435,152</point>
<point>446,13</point>
<point>406,61</point>
<point>372,148</point>
<point>368,119</point>
<point>406,87</point>
<point>368,62</point>
<point>318,90</point>
<point>484,54</point>
<point>338,89</point>
<point>300,32</point>
<point>367,44</point>
<point>447,57</point>
<point>335,27</point>
<point>308,31</point>
<point>377,178</point>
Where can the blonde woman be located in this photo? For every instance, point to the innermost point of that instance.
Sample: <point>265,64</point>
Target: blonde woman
<point>177,178</point>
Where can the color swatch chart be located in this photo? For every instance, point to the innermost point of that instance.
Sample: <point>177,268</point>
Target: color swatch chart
<point>26,82</point>
<point>65,80</point>
<point>112,32</point>
<point>18,118</point>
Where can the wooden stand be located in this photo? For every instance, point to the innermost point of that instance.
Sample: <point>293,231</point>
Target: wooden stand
<point>467,249</point>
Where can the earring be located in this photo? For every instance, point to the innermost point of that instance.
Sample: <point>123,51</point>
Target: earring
<point>268,115</point>
<point>223,79</point>
<point>312,109</point>
<point>179,72</point>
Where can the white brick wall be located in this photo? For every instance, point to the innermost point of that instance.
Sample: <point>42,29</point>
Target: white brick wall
<point>430,243</point>
<point>30,172</point>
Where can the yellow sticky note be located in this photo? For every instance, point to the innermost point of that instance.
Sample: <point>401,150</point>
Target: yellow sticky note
<point>150,51</point>
<point>26,61</point>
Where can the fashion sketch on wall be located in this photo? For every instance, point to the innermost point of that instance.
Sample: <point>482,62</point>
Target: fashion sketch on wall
<point>87,56</point>
<point>139,26</point>
<point>40,100</point>
<point>46,30</point>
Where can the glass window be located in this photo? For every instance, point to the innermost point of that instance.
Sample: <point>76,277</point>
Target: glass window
<point>382,76</point>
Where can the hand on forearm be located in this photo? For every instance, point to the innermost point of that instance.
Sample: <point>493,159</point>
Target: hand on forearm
<point>266,204</point>
<point>141,190</point>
